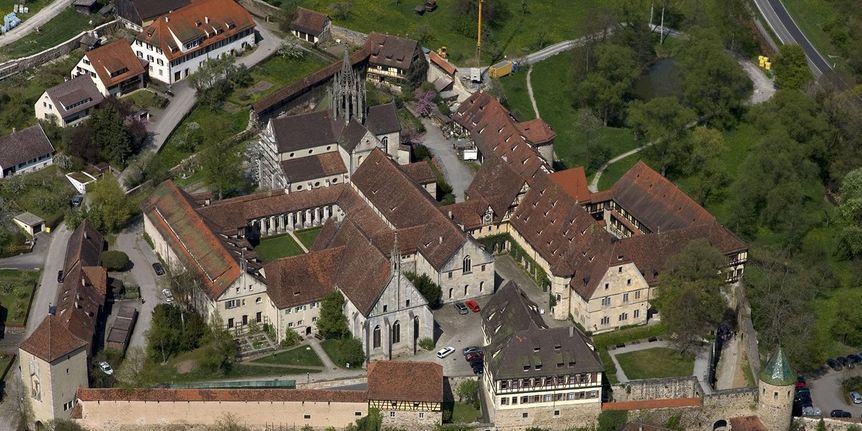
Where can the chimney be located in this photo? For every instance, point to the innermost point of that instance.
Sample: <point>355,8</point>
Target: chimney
<point>441,239</point>
<point>207,19</point>
<point>13,130</point>
<point>450,215</point>
<point>166,19</point>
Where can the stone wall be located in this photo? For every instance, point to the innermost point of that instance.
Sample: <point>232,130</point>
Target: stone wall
<point>810,424</point>
<point>561,418</point>
<point>411,420</point>
<point>261,9</point>
<point>17,65</point>
<point>348,36</point>
<point>657,389</point>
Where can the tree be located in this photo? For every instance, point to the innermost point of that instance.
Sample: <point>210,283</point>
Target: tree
<point>704,166</point>
<point>110,135</point>
<point>221,163</point>
<point>332,322</point>
<point>109,208</point>
<point>663,122</point>
<point>216,78</point>
<point>115,260</point>
<point>468,391</point>
<point>341,10</point>
<point>607,86</point>
<point>791,68</point>
<point>850,214</point>
<point>168,336</point>
<point>429,290</point>
<point>291,50</point>
<point>288,14</point>
<point>129,372</point>
<point>220,348</point>
<point>689,293</point>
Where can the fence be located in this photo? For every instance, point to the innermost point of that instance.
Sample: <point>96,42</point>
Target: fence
<point>17,65</point>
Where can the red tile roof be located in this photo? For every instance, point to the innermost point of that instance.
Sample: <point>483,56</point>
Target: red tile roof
<point>574,182</point>
<point>405,381</point>
<point>442,63</point>
<point>52,340</point>
<point>537,131</point>
<point>420,172</point>
<point>115,62</point>
<point>210,21</point>
<point>83,291</point>
<point>302,279</point>
<point>221,395</point>
<point>747,423</point>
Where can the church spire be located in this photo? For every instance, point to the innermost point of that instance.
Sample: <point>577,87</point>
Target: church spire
<point>348,93</point>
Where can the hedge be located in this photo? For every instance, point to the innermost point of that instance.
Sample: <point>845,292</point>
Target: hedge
<point>115,260</point>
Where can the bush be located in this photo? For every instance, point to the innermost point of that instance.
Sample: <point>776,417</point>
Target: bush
<point>291,338</point>
<point>421,152</point>
<point>612,420</point>
<point>427,343</point>
<point>115,260</point>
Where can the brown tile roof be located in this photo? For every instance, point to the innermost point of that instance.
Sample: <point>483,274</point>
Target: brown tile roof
<point>574,182</point>
<point>309,21</point>
<point>653,404</point>
<point>655,201</point>
<point>51,340</point>
<point>83,290</point>
<point>747,423</point>
<point>391,51</point>
<point>211,21</point>
<point>97,276</point>
<point>496,133</point>
<point>382,119</point>
<point>313,167</point>
<point>420,172</point>
<point>442,63</point>
<point>189,235</point>
<point>23,146</point>
<point>302,279</point>
<point>299,132</point>
<point>405,381</point>
<point>404,204</point>
<point>537,131</point>
<point>497,184</point>
<point>115,62</point>
<point>138,11</point>
<point>75,95</point>
<point>468,213</point>
<point>221,395</point>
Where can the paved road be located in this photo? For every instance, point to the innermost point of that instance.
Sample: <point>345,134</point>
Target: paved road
<point>31,260</point>
<point>131,242</point>
<point>46,294</point>
<point>788,32</point>
<point>39,19</point>
<point>828,395</point>
<point>728,364</point>
<point>457,174</point>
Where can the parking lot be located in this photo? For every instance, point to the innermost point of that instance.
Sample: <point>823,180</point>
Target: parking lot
<point>828,394</point>
<point>458,331</point>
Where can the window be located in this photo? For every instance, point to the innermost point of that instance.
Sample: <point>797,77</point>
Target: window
<point>637,294</point>
<point>385,307</point>
<point>258,300</point>
<point>525,414</point>
<point>556,412</point>
<point>357,413</point>
<point>606,300</point>
<point>450,274</point>
<point>376,337</point>
<point>637,314</point>
<point>504,401</point>
<point>396,332</point>
<point>468,265</point>
<point>620,269</point>
<point>481,284</point>
<point>232,303</point>
<point>629,282</point>
<point>624,316</point>
<point>483,267</point>
<point>306,416</point>
<point>230,323</point>
<point>421,415</point>
<point>392,414</point>
<point>625,297</point>
<point>408,303</point>
<point>514,400</point>
<point>607,285</point>
<point>606,320</point>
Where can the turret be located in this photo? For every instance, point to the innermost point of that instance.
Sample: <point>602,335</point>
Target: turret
<point>775,392</point>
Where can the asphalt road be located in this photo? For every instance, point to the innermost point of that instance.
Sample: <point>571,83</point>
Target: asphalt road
<point>457,174</point>
<point>828,395</point>
<point>131,242</point>
<point>46,294</point>
<point>31,260</point>
<point>31,23</point>
<point>788,32</point>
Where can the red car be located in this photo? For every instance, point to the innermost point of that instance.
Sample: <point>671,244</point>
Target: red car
<point>472,305</point>
<point>475,357</point>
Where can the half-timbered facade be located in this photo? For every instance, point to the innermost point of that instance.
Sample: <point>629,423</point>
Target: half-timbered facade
<point>409,395</point>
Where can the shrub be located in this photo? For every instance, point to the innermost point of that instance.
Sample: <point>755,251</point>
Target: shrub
<point>427,343</point>
<point>115,260</point>
<point>291,338</point>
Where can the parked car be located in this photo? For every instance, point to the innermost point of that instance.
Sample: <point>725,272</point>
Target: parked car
<point>475,357</point>
<point>159,269</point>
<point>60,276</point>
<point>854,359</point>
<point>811,411</point>
<point>840,414</point>
<point>855,397</point>
<point>462,309</point>
<point>843,361</point>
<point>76,201</point>
<point>169,297</point>
<point>106,368</point>
<point>471,349</point>
<point>478,368</point>
<point>444,352</point>
<point>472,305</point>
<point>835,365</point>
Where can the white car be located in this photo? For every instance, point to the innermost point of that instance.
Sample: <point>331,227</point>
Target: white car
<point>169,297</point>
<point>106,368</point>
<point>444,352</point>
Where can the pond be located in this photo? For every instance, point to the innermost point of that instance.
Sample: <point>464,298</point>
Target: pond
<point>660,79</point>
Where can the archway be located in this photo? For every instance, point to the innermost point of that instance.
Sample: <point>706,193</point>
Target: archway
<point>376,337</point>
<point>719,425</point>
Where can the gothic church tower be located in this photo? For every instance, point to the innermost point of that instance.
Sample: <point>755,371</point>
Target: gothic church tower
<point>348,93</point>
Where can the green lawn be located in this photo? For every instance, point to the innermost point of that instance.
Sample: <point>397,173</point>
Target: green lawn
<point>622,336</point>
<point>617,170</point>
<point>60,29</point>
<point>546,22</point>
<point>6,6</point>
<point>656,363</point>
<point>16,289</point>
<point>274,73</point>
<point>334,348</point>
<point>25,88</point>
<point>811,16</point>
<point>145,99</point>
<point>465,413</point>
<point>308,236</point>
<point>302,355</point>
<point>274,247</point>
<point>45,192</point>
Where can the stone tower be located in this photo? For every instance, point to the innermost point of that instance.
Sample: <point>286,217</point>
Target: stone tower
<point>348,93</point>
<point>775,392</point>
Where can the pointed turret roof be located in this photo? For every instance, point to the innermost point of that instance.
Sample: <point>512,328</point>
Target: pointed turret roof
<point>777,371</point>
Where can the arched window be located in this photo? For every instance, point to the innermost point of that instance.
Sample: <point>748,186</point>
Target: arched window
<point>396,332</point>
<point>481,285</point>
<point>385,141</point>
<point>468,265</point>
<point>375,343</point>
<point>450,292</point>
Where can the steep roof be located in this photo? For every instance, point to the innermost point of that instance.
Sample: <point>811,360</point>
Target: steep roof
<point>299,132</point>
<point>391,51</point>
<point>115,62</point>
<point>383,119</point>
<point>510,311</point>
<point>75,95</point>
<point>189,235</point>
<point>226,395</point>
<point>52,340</point>
<point>210,21</point>
<point>405,381</point>
<point>309,21</point>
<point>537,131</point>
<point>498,184</point>
<point>468,213</point>
<point>23,146</point>
<point>312,167</point>
<point>420,172</point>
<point>777,371</point>
<point>139,11</point>
<point>573,181</point>
<point>442,63</point>
<point>302,279</point>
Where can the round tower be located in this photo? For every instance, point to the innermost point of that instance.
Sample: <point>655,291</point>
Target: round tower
<point>775,392</point>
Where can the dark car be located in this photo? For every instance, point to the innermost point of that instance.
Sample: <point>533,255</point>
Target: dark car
<point>854,359</point>
<point>60,276</point>
<point>76,201</point>
<point>840,414</point>
<point>462,309</point>
<point>478,368</point>
<point>835,365</point>
<point>843,361</point>
<point>475,357</point>
<point>159,269</point>
<point>472,349</point>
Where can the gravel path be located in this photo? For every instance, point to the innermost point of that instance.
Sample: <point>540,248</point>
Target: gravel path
<point>530,92</point>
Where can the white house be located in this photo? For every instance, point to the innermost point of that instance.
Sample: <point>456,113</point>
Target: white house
<point>25,151</point>
<point>69,103</point>
<point>114,68</point>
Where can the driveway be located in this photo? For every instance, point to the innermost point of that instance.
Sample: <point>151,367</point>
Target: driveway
<point>131,242</point>
<point>828,395</point>
<point>34,22</point>
<point>46,294</point>
<point>458,331</point>
<point>32,260</point>
<point>457,174</point>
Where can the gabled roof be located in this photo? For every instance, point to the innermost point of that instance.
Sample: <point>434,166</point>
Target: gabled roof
<point>313,167</point>
<point>391,51</point>
<point>510,311</point>
<point>405,381</point>
<point>574,182</point>
<point>442,63</point>
<point>302,279</point>
<point>383,119</point>
<point>75,95</point>
<point>299,132</point>
<point>468,213</point>
<point>52,340</point>
<point>309,21</point>
<point>537,131</point>
<point>420,172</point>
<point>210,21</point>
<point>139,11</point>
<point>497,184</point>
<point>23,146</point>
<point>115,62</point>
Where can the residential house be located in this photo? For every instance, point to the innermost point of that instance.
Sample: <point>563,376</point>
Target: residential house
<point>178,42</point>
<point>417,404</point>
<point>137,14</point>
<point>114,68</point>
<point>391,59</point>
<point>311,26</point>
<point>25,151</point>
<point>69,103</point>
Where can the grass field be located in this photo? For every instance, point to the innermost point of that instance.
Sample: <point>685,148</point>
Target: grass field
<point>16,289</point>
<point>465,413</point>
<point>145,99</point>
<point>623,336</point>
<point>302,355</point>
<point>277,71</point>
<point>45,193</point>
<point>275,247</point>
<point>308,236</point>
<point>60,29</point>
<point>546,22</point>
<point>655,363</point>
<point>334,348</point>
<point>25,88</point>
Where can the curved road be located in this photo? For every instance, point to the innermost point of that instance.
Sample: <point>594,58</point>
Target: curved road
<point>39,19</point>
<point>785,28</point>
